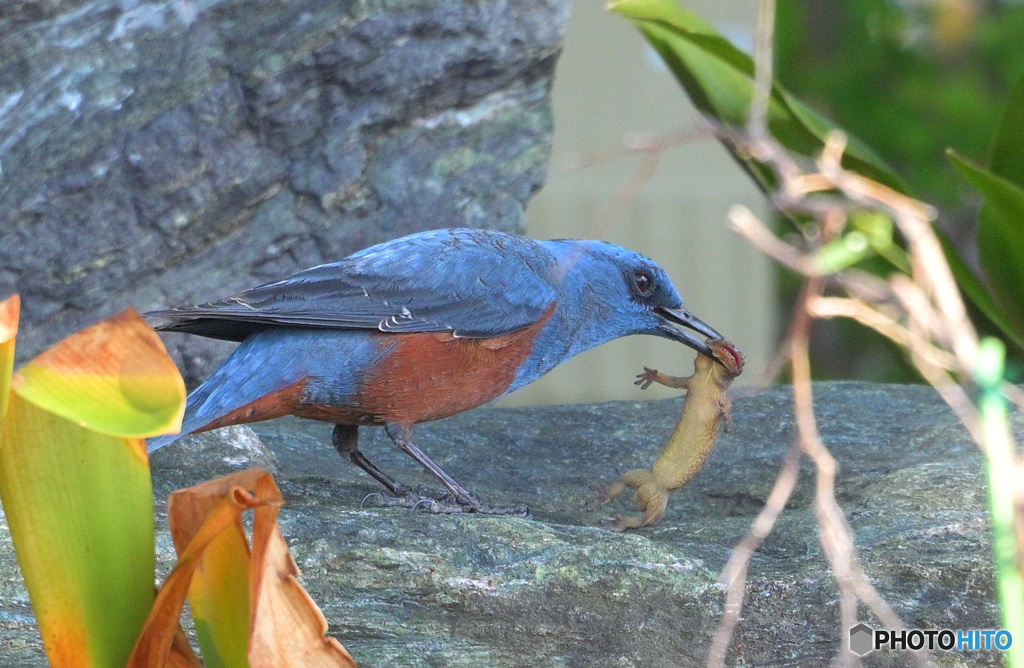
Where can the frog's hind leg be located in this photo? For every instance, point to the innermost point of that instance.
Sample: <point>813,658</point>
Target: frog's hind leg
<point>651,496</point>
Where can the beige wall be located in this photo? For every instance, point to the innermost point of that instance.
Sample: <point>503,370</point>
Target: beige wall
<point>608,84</point>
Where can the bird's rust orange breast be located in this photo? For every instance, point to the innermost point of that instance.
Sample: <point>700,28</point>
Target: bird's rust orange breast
<point>429,376</point>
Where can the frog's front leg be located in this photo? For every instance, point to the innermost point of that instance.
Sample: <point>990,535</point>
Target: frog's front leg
<point>651,376</point>
<point>725,406</point>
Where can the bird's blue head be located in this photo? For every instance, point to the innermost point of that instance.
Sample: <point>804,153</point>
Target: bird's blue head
<point>609,292</point>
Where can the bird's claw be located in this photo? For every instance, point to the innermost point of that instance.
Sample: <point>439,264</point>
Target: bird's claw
<point>430,504</point>
<point>439,507</point>
<point>472,505</point>
<point>447,504</point>
<point>410,498</point>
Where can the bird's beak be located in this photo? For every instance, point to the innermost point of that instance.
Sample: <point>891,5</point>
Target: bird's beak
<point>673,320</point>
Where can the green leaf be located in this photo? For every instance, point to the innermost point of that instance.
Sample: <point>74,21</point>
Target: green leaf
<point>1000,238</point>
<point>79,505</point>
<point>1007,158</point>
<point>879,228</point>
<point>843,252</point>
<point>978,293</point>
<point>78,501</point>
<point>719,78</point>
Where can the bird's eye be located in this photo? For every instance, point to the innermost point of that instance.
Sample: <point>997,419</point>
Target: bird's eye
<point>643,282</point>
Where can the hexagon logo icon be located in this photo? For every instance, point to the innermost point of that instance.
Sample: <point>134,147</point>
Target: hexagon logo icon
<point>862,639</point>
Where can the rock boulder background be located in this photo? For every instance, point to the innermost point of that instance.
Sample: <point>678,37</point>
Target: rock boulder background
<point>158,154</point>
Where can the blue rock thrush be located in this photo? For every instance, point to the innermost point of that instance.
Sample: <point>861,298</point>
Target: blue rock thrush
<point>421,328</point>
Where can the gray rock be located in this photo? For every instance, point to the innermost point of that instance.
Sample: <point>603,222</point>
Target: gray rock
<point>158,154</point>
<point>200,457</point>
<point>413,589</point>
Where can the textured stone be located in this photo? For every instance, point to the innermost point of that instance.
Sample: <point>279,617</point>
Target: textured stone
<point>413,589</point>
<point>156,154</point>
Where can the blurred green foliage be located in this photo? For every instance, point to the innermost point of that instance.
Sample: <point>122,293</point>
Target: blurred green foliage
<point>886,69</point>
<point>910,79</point>
<point>905,81</point>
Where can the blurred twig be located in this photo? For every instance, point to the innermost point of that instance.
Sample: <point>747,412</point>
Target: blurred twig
<point>919,307</point>
<point>650,146</point>
<point>745,223</point>
<point>638,142</point>
<point>734,576</point>
<point>922,311</point>
<point>625,195</point>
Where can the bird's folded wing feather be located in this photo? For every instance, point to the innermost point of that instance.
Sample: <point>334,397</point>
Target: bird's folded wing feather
<point>470,283</point>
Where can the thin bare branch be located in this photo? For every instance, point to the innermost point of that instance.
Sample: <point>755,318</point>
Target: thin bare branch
<point>746,224</point>
<point>1014,394</point>
<point>927,258</point>
<point>625,196</point>
<point>803,399</point>
<point>777,363</point>
<point>919,308</point>
<point>834,532</point>
<point>847,307</point>
<point>734,575</point>
<point>638,142</point>
<point>922,312</point>
<point>866,287</point>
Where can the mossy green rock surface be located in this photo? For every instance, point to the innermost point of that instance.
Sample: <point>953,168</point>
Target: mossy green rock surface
<point>403,588</point>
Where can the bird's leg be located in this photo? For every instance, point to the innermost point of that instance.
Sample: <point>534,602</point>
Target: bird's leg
<point>402,436</point>
<point>346,441</point>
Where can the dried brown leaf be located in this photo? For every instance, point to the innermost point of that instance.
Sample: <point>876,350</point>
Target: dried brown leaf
<point>288,630</point>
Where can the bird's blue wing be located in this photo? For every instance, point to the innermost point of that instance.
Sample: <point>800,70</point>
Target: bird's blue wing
<point>474,283</point>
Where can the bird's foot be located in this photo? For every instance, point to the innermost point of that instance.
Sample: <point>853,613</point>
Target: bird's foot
<point>450,505</point>
<point>402,497</point>
<point>446,504</point>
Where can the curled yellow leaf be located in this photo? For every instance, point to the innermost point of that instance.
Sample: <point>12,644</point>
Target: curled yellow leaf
<point>114,377</point>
